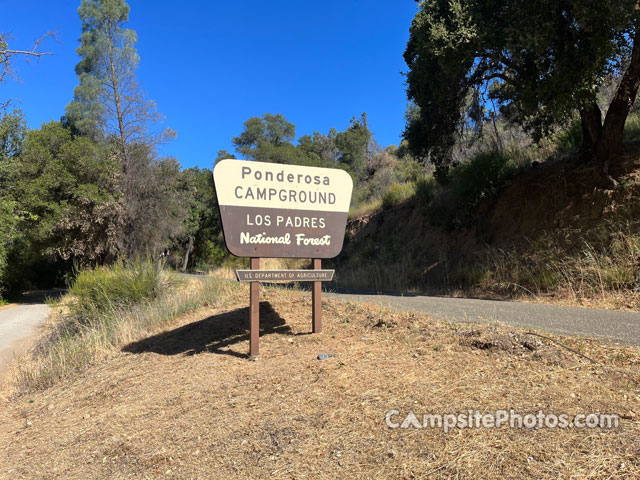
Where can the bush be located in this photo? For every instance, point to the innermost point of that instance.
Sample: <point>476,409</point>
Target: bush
<point>69,347</point>
<point>570,139</point>
<point>109,288</point>
<point>632,128</point>
<point>426,189</point>
<point>470,183</point>
<point>482,177</point>
<point>397,193</point>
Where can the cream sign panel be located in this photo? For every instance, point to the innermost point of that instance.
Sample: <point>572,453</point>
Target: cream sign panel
<point>276,210</point>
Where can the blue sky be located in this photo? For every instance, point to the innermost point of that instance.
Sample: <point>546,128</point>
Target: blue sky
<point>211,65</point>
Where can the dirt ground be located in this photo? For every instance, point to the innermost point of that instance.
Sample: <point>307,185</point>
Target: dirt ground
<point>187,402</point>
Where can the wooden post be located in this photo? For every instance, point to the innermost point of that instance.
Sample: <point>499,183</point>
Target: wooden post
<point>316,299</point>
<point>254,312</point>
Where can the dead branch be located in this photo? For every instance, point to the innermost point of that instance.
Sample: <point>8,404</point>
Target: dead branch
<point>7,54</point>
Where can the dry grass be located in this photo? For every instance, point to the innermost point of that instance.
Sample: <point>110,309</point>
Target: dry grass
<point>378,276</point>
<point>68,346</point>
<point>187,403</point>
<point>229,273</point>
<point>603,276</point>
<point>554,234</point>
<point>366,208</point>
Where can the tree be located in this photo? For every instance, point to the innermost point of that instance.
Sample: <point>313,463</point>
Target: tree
<point>108,99</point>
<point>12,132</point>
<point>539,61</point>
<point>66,188</point>
<point>223,154</point>
<point>320,148</point>
<point>155,210</point>
<point>8,55</point>
<point>267,139</point>
<point>202,238</point>
<point>353,146</point>
<point>65,205</point>
<point>110,105</point>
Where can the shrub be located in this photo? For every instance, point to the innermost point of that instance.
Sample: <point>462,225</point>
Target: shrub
<point>569,139</point>
<point>482,177</point>
<point>108,288</point>
<point>94,328</point>
<point>397,193</point>
<point>632,128</point>
<point>470,183</point>
<point>426,189</point>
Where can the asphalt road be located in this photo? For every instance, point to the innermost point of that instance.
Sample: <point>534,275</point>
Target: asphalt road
<point>621,327</point>
<point>18,326</point>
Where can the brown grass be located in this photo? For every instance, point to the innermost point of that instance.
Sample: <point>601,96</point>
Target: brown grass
<point>187,403</point>
<point>555,234</point>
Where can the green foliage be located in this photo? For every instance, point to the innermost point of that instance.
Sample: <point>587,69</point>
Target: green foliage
<point>204,226</point>
<point>397,193</point>
<point>483,177</point>
<point>7,237</point>
<point>427,188</point>
<point>106,289</point>
<point>268,139</point>
<point>103,43</point>
<point>569,139</point>
<point>65,189</point>
<point>353,145</point>
<point>12,132</point>
<point>538,61</point>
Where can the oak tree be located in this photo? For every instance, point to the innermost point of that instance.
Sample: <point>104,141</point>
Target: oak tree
<point>541,62</point>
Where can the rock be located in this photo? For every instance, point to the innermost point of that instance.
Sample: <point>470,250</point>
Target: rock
<point>326,356</point>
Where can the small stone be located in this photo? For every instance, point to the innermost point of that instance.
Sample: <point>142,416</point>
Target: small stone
<point>325,356</point>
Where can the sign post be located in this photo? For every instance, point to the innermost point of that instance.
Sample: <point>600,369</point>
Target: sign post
<point>271,210</point>
<point>254,313</point>
<point>316,300</point>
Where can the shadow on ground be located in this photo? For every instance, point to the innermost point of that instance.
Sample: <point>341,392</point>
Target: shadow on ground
<point>39,296</point>
<point>213,334</point>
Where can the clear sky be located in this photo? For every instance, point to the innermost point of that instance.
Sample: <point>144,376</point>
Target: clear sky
<point>211,65</point>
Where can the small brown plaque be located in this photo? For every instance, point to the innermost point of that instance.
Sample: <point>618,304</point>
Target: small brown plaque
<point>285,275</point>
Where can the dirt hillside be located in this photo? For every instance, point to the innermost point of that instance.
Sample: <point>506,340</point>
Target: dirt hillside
<point>554,229</point>
<point>186,402</point>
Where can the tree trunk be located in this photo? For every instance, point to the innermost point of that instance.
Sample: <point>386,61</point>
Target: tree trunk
<point>591,121</point>
<point>610,143</point>
<point>115,85</point>
<point>187,253</point>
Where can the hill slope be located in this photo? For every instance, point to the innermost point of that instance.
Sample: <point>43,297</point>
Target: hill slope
<point>556,229</point>
<point>185,402</point>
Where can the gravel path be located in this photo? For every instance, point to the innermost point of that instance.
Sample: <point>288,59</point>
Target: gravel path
<point>18,327</point>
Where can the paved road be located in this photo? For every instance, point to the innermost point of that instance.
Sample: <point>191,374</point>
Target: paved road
<point>622,327</point>
<point>617,326</point>
<point>18,327</point>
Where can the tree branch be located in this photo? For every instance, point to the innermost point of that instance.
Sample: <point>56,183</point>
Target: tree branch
<point>6,54</point>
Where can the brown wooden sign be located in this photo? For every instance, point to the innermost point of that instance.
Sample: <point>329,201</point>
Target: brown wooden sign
<point>282,211</point>
<point>285,275</point>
